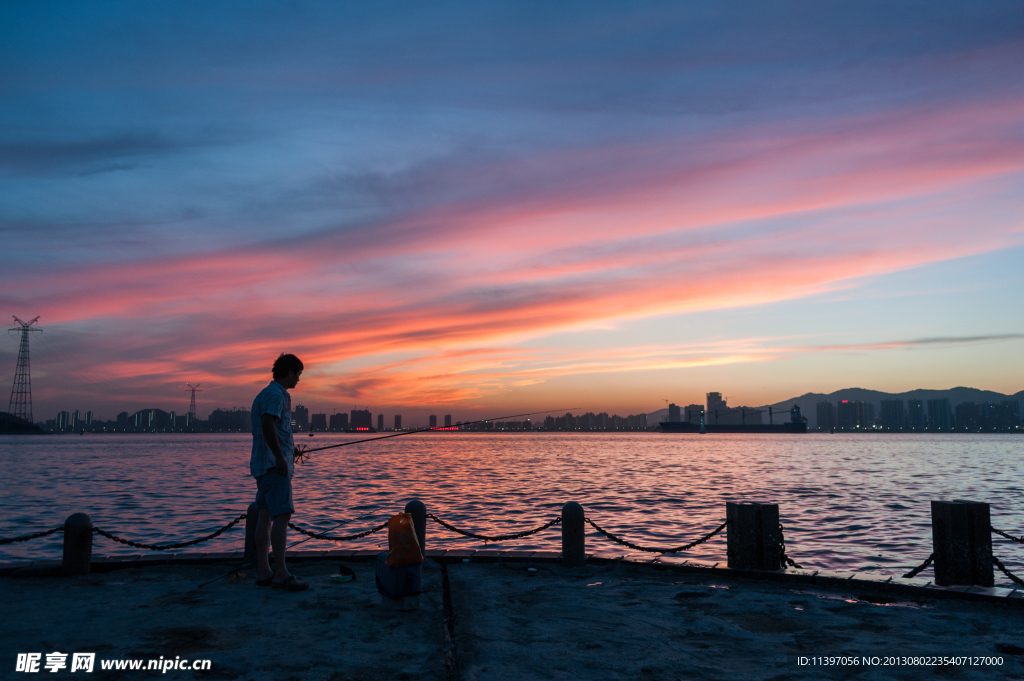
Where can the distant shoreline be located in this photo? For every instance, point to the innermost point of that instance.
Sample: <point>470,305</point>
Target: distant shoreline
<point>1018,431</point>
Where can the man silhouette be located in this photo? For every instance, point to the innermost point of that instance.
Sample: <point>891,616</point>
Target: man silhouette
<point>273,465</point>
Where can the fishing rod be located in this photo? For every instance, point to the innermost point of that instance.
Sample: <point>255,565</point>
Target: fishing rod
<point>300,454</point>
<point>425,430</point>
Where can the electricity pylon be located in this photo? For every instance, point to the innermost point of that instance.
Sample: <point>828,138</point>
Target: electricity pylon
<point>21,393</point>
<point>192,406</point>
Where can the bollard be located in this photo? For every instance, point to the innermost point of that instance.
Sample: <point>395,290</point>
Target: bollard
<point>962,543</point>
<point>754,537</point>
<point>574,547</point>
<point>419,521</point>
<point>77,544</point>
<point>252,516</point>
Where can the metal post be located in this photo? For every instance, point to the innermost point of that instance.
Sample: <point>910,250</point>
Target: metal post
<point>77,544</point>
<point>754,537</point>
<point>574,549</point>
<point>252,516</point>
<point>418,510</point>
<point>962,543</point>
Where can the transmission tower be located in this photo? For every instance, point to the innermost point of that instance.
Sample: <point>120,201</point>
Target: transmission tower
<point>21,394</point>
<point>192,406</point>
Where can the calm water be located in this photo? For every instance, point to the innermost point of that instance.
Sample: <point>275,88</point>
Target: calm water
<point>850,502</point>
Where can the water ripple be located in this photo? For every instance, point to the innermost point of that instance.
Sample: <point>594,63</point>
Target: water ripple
<point>851,502</point>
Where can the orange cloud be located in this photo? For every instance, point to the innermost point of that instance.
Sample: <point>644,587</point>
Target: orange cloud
<point>746,217</point>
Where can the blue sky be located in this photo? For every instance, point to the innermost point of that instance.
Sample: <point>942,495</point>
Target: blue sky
<point>481,206</point>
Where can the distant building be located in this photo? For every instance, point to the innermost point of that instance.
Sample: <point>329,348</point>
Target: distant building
<point>230,421</point>
<point>1003,417</point>
<point>339,422</point>
<point>88,419</point>
<point>361,418</point>
<point>433,420</point>
<point>318,423</point>
<point>968,417</point>
<point>63,421</point>
<point>380,421</point>
<point>716,406</point>
<point>673,414</point>
<point>893,417</point>
<point>502,425</point>
<point>915,416</point>
<point>972,417</point>
<point>153,421</point>
<point>300,418</point>
<point>826,412</point>
<point>693,413</point>
<point>940,416</point>
<point>398,421</point>
<point>854,415</point>
<point>447,420</point>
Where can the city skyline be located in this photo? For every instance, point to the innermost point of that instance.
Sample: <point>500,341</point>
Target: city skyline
<point>954,410</point>
<point>498,208</point>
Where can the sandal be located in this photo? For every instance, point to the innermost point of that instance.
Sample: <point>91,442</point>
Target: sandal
<point>345,574</point>
<point>264,582</point>
<point>293,583</point>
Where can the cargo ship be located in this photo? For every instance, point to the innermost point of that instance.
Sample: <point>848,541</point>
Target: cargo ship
<point>796,424</point>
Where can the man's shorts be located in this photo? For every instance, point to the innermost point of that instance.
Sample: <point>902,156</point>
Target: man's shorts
<point>274,493</point>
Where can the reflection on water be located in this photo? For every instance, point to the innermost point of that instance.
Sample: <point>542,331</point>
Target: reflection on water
<point>850,502</point>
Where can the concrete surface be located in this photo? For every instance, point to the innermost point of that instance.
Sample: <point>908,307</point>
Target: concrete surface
<point>514,619</point>
<point>330,632</point>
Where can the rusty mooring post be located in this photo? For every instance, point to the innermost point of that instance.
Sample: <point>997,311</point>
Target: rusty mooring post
<point>754,536</point>
<point>77,544</point>
<point>962,543</point>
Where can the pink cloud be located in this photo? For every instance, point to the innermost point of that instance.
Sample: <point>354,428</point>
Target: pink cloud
<point>740,218</point>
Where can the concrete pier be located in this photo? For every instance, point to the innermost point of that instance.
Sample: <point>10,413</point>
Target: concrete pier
<point>962,542</point>
<point>77,545</point>
<point>574,536</point>
<point>516,615</point>
<point>754,537</point>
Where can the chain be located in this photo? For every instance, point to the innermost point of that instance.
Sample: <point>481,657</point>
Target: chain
<point>326,537</point>
<point>1019,540</point>
<point>1016,580</point>
<point>504,537</point>
<point>619,540</point>
<point>785,560</point>
<point>165,547</point>
<point>15,540</point>
<point>920,568</point>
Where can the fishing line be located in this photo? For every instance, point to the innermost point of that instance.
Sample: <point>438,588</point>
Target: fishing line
<point>426,430</point>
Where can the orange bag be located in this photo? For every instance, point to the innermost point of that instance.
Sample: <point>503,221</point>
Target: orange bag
<point>403,547</point>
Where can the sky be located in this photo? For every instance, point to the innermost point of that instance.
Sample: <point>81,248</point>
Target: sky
<point>485,208</point>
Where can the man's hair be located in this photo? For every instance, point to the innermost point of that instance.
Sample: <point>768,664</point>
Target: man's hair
<point>286,364</point>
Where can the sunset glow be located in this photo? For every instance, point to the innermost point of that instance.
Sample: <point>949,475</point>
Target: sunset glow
<point>469,209</point>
